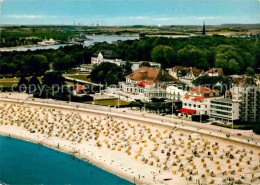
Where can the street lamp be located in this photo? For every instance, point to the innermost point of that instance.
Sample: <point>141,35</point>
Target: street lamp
<point>172,110</point>
<point>0,21</point>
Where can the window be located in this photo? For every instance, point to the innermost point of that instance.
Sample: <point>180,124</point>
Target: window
<point>198,106</point>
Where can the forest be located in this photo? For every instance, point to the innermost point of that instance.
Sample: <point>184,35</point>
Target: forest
<point>234,55</point>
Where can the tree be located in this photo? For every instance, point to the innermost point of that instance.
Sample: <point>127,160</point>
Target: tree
<point>36,64</point>
<point>250,72</point>
<point>193,56</point>
<point>53,78</point>
<point>128,67</point>
<point>107,73</point>
<point>145,63</point>
<point>233,66</point>
<point>23,84</point>
<point>164,54</point>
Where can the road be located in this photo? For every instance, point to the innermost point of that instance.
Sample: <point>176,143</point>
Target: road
<point>247,137</point>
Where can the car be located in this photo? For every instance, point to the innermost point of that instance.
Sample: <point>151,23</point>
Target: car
<point>163,114</point>
<point>239,134</point>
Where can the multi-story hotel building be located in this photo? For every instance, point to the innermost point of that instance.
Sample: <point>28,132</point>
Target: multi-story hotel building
<point>224,110</point>
<point>197,100</point>
<point>249,99</point>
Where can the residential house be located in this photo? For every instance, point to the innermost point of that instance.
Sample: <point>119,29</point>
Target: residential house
<point>178,71</point>
<point>192,75</point>
<point>214,72</point>
<point>185,74</point>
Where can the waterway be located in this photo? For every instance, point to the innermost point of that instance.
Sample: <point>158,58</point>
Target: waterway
<point>23,162</point>
<point>93,39</point>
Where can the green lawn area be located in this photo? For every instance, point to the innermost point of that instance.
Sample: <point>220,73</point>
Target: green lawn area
<point>80,77</point>
<point>9,82</point>
<point>108,102</point>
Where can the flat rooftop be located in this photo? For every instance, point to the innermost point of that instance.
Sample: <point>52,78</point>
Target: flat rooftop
<point>223,100</point>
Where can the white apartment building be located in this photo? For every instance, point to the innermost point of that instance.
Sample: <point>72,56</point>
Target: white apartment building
<point>249,99</point>
<point>224,110</point>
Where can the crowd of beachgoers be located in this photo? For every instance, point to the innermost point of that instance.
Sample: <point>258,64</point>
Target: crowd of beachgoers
<point>142,152</point>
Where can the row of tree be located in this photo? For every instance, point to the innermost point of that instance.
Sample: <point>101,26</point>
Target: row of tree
<point>234,55</point>
<point>29,63</point>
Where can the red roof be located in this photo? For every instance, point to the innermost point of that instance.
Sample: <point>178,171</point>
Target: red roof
<point>144,83</point>
<point>151,74</point>
<point>186,97</point>
<point>187,111</point>
<point>198,99</point>
<point>80,88</point>
<point>202,90</point>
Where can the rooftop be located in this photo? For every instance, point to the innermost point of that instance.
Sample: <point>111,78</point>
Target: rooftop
<point>223,100</point>
<point>203,90</point>
<point>109,54</point>
<point>151,74</point>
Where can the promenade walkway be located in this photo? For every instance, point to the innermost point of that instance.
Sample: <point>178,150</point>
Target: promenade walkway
<point>247,137</point>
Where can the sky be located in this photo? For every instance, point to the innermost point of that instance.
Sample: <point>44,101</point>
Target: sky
<point>130,12</point>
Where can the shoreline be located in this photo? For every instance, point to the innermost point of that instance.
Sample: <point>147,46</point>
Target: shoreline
<point>67,151</point>
<point>118,163</point>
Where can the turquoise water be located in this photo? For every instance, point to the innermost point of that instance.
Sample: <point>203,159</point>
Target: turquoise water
<point>23,162</point>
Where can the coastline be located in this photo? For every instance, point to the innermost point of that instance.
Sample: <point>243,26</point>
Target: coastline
<point>111,160</point>
<point>89,159</point>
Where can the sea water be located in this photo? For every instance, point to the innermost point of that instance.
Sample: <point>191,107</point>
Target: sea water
<point>23,162</point>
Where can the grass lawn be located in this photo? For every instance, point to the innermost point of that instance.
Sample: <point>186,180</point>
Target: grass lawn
<point>108,102</point>
<point>9,82</point>
<point>80,77</point>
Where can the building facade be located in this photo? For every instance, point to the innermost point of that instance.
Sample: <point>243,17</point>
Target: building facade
<point>224,110</point>
<point>197,100</point>
<point>106,56</point>
<point>249,99</point>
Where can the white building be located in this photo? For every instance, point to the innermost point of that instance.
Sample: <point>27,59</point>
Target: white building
<point>224,110</point>
<point>106,56</point>
<point>136,65</point>
<point>197,100</point>
<point>47,42</point>
<point>174,93</point>
<point>148,82</point>
<point>214,72</point>
<point>249,99</point>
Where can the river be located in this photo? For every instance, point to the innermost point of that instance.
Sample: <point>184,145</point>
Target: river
<point>94,39</point>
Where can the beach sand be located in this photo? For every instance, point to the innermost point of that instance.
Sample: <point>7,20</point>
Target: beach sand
<point>141,152</point>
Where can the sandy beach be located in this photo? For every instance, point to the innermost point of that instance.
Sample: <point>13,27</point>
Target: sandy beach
<point>141,152</point>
